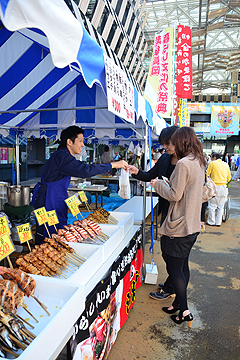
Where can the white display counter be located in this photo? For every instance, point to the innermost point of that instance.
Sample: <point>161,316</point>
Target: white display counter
<point>65,298</point>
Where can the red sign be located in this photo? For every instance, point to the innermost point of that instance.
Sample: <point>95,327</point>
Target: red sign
<point>184,63</point>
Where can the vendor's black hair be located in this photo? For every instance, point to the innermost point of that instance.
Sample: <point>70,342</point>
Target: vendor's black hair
<point>106,148</point>
<point>71,133</point>
<point>166,134</point>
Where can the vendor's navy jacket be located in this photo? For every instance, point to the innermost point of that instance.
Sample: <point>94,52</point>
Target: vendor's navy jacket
<point>163,167</point>
<point>56,177</point>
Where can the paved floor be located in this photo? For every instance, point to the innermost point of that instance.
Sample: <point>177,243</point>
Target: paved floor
<point>214,300</point>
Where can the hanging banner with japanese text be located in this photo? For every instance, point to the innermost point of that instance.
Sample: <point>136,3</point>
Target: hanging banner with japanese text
<point>184,62</point>
<point>120,92</point>
<point>160,77</point>
<point>184,119</point>
<point>107,306</point>
<point>224,120</point>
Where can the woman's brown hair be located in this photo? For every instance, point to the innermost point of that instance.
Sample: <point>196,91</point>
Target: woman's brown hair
<point>186,142</point>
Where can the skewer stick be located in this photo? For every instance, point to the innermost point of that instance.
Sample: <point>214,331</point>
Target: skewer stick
<point>41,304</point>
<point>30,334</point>
<point>47,230</point>
<point>10,351</point>
<point>25,321</point>
<point>19,344</point>
<point>30,313</point>
<point>29,247</point>
<point>9,262</point>
<point>26,336</point>
<point>55,228</point>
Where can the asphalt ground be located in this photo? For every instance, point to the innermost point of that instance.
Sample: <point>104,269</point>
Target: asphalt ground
<point>213,299</point>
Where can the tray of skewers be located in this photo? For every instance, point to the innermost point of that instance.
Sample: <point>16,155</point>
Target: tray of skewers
<point>102,216</point>
<point>32,313</point>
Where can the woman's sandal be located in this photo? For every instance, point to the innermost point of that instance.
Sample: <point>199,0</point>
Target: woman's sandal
<point>181,318</point>
<point>172,311</point>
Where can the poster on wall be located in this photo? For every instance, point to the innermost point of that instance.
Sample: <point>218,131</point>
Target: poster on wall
<point>4,155</point>
<point>120,91</point>
<point>108,305</point>
<point>224,120</point>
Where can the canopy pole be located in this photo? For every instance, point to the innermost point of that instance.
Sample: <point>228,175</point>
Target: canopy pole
<point>144,196</point>
<point>17,160</point>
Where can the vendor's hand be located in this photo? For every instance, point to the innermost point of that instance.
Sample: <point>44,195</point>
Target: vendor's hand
<point>132,169</point>
<point>122,164</point>
<point>152,182</point>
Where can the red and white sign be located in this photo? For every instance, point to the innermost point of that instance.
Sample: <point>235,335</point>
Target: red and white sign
<point>120,91</point>
<point>184,62</point>
<point>164,95</point>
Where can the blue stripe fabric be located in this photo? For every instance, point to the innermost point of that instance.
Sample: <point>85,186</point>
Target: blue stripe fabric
<point>85,97</point>
<point>4,4</point>
<point>90,56</point>
<point>27,62</point>
<point>49,117</point>
<point>5,35</point>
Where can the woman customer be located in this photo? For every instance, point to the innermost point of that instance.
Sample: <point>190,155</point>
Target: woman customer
<point>181,226</point>
<point>56,176</point>
<point>163,167</point>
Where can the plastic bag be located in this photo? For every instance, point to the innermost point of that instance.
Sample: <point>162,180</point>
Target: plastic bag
<point>124,185</point>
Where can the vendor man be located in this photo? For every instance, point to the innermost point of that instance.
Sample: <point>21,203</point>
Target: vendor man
<point>52,191</point>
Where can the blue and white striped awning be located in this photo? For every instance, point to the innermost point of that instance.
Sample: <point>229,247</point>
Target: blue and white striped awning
<point>48,60</point>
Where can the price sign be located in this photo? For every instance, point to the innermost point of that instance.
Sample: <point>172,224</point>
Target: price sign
<point>73,202</point>
<point>52,218</point>
<point>4,228</point>
<point>6,246</point>
<point>24,232</point>
<point>41,216</point>
<point>82,196</point>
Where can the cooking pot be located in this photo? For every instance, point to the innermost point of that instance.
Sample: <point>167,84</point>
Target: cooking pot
<point>18,195</point>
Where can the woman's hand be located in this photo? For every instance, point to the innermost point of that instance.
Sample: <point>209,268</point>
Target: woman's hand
<point>122,164</point>
<point>152,182</point>
<point>132,169</point>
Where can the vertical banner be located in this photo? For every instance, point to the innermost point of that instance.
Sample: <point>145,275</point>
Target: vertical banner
<point>120,92</point>
<point>159,82</point>
<point>224,120</point>
<point>152,83</point>
<point>164,96</point>
<point>107,306</point>
<point>184,62</point>
<point>184,119</point>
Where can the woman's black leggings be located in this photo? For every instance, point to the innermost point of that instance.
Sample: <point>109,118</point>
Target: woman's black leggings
<point>178,271</point>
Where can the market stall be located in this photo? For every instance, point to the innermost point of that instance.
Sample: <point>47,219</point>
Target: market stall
<point>55,77</point>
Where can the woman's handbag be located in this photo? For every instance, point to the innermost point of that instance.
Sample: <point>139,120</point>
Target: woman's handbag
<point>210,189</point>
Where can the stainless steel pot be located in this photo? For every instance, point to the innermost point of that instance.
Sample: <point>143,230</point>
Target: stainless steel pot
<point>18,195</point>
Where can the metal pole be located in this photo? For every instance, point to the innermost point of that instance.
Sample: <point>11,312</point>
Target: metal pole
<point>144,195</point>
<point>17,160</point>
<point>174,61</point>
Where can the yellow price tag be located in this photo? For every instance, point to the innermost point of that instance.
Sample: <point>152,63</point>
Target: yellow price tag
<point>24,232</point>
<point>52,218</point>
<point>73,202</point>
<point>6,246</point>
<point>82,196</point>
<point>4,228</point>
<point>41,216</point>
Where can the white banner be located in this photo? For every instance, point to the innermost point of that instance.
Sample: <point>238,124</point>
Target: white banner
<point>120,91</point>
